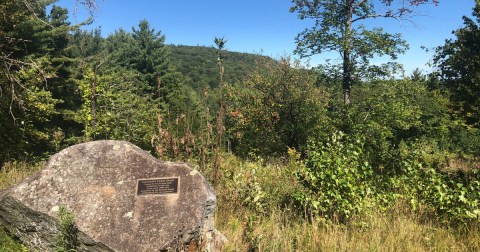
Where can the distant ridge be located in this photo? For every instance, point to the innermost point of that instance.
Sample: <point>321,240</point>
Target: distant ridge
<point>199,63</point>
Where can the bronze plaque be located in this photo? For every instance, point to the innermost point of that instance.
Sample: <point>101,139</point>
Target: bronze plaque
<point>157,186</point>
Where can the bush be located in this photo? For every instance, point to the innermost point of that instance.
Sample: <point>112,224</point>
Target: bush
<point>337,182</point>
<point>453,196</point>
<point>68,237</point>
<point>278,106</point>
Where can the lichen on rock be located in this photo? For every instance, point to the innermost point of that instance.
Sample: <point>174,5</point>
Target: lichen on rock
<point>99,183</point>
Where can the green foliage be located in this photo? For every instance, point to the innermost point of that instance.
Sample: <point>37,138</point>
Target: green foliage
<point>249,188</point>
<point>384,113</point>
<point>8,244</point>
<point>32,56</point>
<point>68,237</point>
<point>85,87</point>
<point>406,131</point>
<point>199,64</point>
<point>338,26</point>
<point>278,106</point>
<point>126,81</point>
<point>459,63</point>
<point>337,182</point>
<point>150,58</point>
<point>254,184</point>
<point>465,140</point>
<point>452,195</point>
<point>124,112</point>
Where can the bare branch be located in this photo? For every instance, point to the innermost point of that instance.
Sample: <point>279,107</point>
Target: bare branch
<point>400,14</point>
<point>90,5</point>
<point>31,8</point>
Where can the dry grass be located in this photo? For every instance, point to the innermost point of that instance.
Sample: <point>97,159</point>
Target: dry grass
<point>13,172</point>
<point>463,164</point>
<point>282,230</point>
<point>382,232</point>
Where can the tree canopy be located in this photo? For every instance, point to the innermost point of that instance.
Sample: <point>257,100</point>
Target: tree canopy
<point>459,64</point>
<point>339,26</point>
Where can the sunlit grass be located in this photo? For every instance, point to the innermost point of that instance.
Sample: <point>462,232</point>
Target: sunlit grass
<point>279,231</point>
<point>12,173</point>
<point>8,244</point>
<point>279,228</point>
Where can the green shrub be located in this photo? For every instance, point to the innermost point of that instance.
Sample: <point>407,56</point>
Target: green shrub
<point>454,196</point>
<point>68,237</point>
<point>337,182</point>
<point>276,107</point>
<point>241,184</point>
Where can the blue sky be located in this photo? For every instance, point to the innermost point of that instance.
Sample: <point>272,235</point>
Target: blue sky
<point>266,26</point>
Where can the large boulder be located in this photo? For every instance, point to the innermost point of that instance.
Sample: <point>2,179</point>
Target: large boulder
<point>122,199</point>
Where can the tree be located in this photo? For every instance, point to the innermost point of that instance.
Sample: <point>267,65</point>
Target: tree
<point>459,64</point>
<point>277,106</point>
<point>90,6</point>
<point>417,75</point>
<point>32,55</point>
<point>152,54</point>
<point>338,27</point>
<point>87,49</point>
<point>220,43</point>
<point>392,111</point>
<point>144,51</point>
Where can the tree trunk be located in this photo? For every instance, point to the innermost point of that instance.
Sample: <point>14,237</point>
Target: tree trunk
<point>347,77</point>
<point>347,53</point>
<point>93,100</point>
<point>220,123</point>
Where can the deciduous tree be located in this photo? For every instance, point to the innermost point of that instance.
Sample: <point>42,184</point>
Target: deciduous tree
<point>459,64</point>
<point>277,106</point>
<point>340,26</point>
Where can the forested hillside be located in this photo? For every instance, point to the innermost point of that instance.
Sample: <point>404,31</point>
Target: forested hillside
<point>199,63</point>
<point>338,157</point>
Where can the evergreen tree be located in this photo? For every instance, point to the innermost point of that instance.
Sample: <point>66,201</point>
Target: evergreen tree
<point>151,58</point>
<point>31,50</point>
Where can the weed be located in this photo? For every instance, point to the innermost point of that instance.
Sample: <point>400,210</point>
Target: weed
<point>8,244</point>
<point>68,237</point>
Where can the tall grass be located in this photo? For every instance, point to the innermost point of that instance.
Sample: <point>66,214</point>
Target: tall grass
<point>12,173</point>
<point>278,231</point>
<point>278,226</point>
<point>269,222</point>
<point>8,244</point>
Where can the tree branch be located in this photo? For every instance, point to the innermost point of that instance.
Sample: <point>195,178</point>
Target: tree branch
<point>402,12</point>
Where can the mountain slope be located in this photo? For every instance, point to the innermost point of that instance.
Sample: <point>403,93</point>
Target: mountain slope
<point>199,63</point>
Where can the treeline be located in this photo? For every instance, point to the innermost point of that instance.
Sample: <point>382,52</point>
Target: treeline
<point>63,85</point>
<point>416,138</point>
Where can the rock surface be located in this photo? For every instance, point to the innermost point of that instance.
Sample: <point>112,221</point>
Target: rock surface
<point>123,199</point>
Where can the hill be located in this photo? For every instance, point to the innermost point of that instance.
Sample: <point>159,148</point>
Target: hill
<point>199,63</point>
